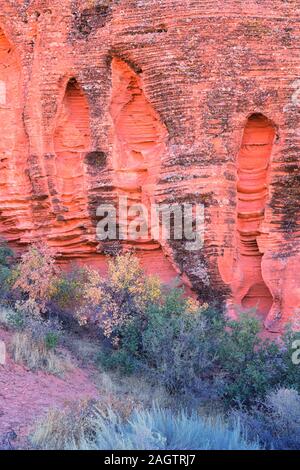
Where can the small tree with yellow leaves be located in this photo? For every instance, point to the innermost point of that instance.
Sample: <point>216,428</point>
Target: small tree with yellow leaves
<point>117,301</point>
<point>35,278</point>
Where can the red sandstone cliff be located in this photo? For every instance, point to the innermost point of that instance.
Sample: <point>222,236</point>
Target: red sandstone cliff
<point>163,101</point>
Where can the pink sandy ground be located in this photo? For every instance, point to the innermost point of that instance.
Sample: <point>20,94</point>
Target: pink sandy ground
<point>25,396</point>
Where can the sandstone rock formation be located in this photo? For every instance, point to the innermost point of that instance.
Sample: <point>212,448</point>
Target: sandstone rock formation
<point>189,102</point>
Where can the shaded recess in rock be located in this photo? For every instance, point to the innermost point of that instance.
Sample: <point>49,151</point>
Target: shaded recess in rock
<point>72,141</point>
<point>253,165</point>
<point>139,144</point>
<point>96,159</point>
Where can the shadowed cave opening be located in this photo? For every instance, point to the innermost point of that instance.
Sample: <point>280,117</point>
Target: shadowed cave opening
<point>252,192</point>
<point>139,140</point>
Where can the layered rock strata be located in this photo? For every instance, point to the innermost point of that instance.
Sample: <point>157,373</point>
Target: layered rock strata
<point>165,102</point>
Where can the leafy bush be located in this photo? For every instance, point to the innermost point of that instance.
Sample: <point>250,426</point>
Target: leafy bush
<point>36,340</point>
<point>6,262</point>
<point>4,316</point>
<point>178,346</point>
<point>116,301</point>
<point>5,274</point>
<point>167,339</point>
<point>290,372</point>
<point>251,366</point>
<point>15,320</point>
<point>117,359</point>
<point>6,254</point>
<point>156,429</point>
<point>207,353</point>
<point>51,340</point>
<point>35,277</point>
<point>69,287</point>
<point>275,421</point>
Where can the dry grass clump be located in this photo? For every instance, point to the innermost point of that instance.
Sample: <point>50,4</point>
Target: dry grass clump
<point>67,429</point>
<point>36,356</point>
<point>74,427</point>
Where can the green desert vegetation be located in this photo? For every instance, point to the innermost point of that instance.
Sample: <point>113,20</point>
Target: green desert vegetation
<point>173,368</point>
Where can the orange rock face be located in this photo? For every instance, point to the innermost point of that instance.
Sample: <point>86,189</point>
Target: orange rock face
<point>162,103</point>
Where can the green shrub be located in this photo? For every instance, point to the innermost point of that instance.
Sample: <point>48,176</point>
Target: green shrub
<point>197,352</point>
<point>15,320</point>
<point>249,363</point>
<point>6,254</point>
<point>290,373</point>
<point>169,343</point>
<point>157,429</point>
<point>191,350</point>
<point>69,287</point>
<point>5,274</point>
<point>6,262</point>
<point>51,340</point>
<point>120,360</point>
<point>178,346</point>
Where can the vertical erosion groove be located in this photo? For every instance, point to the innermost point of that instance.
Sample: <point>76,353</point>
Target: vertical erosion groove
<point>139,143</point>
<point>14,183</point>
<point>71,143</point>
<point>252,192</point>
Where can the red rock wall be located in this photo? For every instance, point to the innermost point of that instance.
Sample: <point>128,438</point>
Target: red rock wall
<point>191,74</point>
